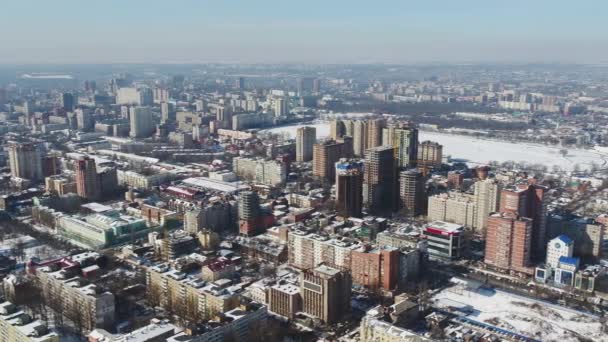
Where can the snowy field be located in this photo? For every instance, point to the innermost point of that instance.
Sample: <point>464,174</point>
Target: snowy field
<point>482,151</point>
<point>32,248</point>
<point>518,314</point>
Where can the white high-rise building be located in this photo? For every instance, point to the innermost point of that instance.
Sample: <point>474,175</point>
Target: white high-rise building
<point>561,246</point>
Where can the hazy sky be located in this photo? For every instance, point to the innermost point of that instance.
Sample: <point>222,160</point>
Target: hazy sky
<point>311,31</point>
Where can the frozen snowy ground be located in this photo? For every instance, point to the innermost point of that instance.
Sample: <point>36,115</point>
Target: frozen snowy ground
<point>525,316</point>
<point>322,130</point>
<point>482,151</point>
<point>32,248</point>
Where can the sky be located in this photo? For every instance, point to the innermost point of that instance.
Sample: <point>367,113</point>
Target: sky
<point>309,31</point>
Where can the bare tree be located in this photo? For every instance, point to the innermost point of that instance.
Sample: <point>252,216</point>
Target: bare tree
<point>76,317</point>
<point>18,249</point>
<point>192,312</point>
<point>153,297</point>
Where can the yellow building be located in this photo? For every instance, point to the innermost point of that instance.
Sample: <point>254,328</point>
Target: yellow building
<point>187,297</point>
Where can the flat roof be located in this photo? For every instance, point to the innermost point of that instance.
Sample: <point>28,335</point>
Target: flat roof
<point>327,270</point>
<point>217,185</point>
<point>97,207</point>
<point>446,226</point>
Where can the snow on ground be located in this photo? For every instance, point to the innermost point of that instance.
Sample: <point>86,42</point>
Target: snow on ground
<point>522,315</point>
<point>32,248</point>
<point>482,151</point>
<point>322,130</point>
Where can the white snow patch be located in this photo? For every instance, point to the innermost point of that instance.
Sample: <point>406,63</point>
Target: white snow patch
<point>522,315</point>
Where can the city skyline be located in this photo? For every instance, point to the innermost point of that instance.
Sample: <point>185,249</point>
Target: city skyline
<point>272,171</point>
<point>317,33</point>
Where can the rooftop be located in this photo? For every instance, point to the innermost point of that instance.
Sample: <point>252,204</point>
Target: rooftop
<point>287,288</point>
<point>330,271</point>
<point>35,329</point>
<point>565,239</point>
<point>446,226</point>
<point>217,185</point>
<point>516,314</point>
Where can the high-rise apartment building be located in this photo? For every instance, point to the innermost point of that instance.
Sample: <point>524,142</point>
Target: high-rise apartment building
<point>336,129</point>
<point>84,120</point>
<point>412,192</point>
<point>348,127</point>
<point>509,242</point>
<point>248,206</point>
<point>454,207</point>
<point>324,158</point>
<point>537,210</point>
<point>359,134</point>
<point>88,184</point>
<point>280,107</point>
<point>326,293</point>
<point>252,219</point>
<point>308,250</point>
<point>374,132</point>
<point>347,149</point>
<point>146,97</point>
<point>430,153</point>
<point>167,113</point>
<point>487,194</point>
<point>306,137</point>
<point>161,95</point>
<point>404,139</point>
<point>529,201</point>
<point>514,200</point>
<point>142,122</point>
<point>29,107</point>
<point>349,188</point>
<point>239,83</point>
<point>380,180</point>
<point>223,114</point>
<point>68,102</point>
<point>25,160</point>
